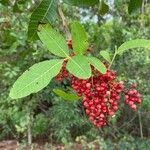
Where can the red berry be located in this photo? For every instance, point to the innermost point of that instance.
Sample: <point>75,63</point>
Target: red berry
<point>133,107</point>
<point>88,85</point>
<point>134,85</point>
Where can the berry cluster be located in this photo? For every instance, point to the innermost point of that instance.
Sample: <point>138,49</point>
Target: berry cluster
<point>100,93</point>
<point>132,97</point>
<point>63,73</point>
<point>69,43</point>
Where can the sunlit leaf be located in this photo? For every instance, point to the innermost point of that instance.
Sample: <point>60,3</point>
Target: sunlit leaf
<point>133,44</point>
<point>79,38</point>
<point>53,40</point>
<point>97,64</point>
<point>35,78</point>
<point>105,54</point>
<point>79,67</point>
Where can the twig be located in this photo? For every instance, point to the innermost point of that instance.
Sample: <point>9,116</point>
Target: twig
<point>115,54</point>
<point>30,122</point>
<point>127,124</point>
<point>140,123</point>
<point>64,22</point>
<point>143,7</point>
<point>29,130</point>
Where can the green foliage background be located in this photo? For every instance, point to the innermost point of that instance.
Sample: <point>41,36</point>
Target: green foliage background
<point>58,120</point>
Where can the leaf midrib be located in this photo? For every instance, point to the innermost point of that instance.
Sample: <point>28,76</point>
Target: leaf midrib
<point>48,9</point>
<point>81,46</point>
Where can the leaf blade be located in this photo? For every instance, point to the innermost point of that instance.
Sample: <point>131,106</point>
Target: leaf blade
<point>79,67</point>
<point>104,8</point>
<point>133,44</point>
<point>48,13</point>
<point>35,78</point>
<point>79,38</point>
<point>97,64</point>
<point>53,41</point>
<point>65,95</point>
<point>105,54</point>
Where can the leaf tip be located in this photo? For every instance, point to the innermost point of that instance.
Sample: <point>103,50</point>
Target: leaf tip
<point>11,95</point>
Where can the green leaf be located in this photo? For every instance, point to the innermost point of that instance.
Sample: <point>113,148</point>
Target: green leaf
<point>105,54</point>
<point>44,13</point>
<point>104,8</point>
<point>35,78</point>
<point>82,3</point>
<point>53,41</point>
<point>5,2</point>
<point>16,8</point>
<point>133,44</point>
<point>97,64</point>
<point>79,67</point>
<point>134,6</point>
<point>79,38</point>
<point>65,95</point>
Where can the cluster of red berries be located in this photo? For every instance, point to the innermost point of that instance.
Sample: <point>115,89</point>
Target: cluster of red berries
<point>100,93</point>
<point>132,96</point>
<point>63,73</point>
<point>69,43</point>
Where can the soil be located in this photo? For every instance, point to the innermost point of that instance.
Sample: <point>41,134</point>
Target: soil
<point>9,145</point>
<point>14,145</point>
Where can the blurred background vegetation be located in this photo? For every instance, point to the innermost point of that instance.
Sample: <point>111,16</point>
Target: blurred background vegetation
<point>52,119</point>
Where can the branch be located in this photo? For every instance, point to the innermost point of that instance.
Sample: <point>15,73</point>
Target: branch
<point>64,22</point>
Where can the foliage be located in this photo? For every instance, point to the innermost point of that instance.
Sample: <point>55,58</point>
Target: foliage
<point>105,54</point>
<point>134,5</point>
<point>81,2</point>
<point>104,8</point>
<point>79,38</point>
<point>64,120</point>
<point>48,13</point>
<point>133,44</point>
